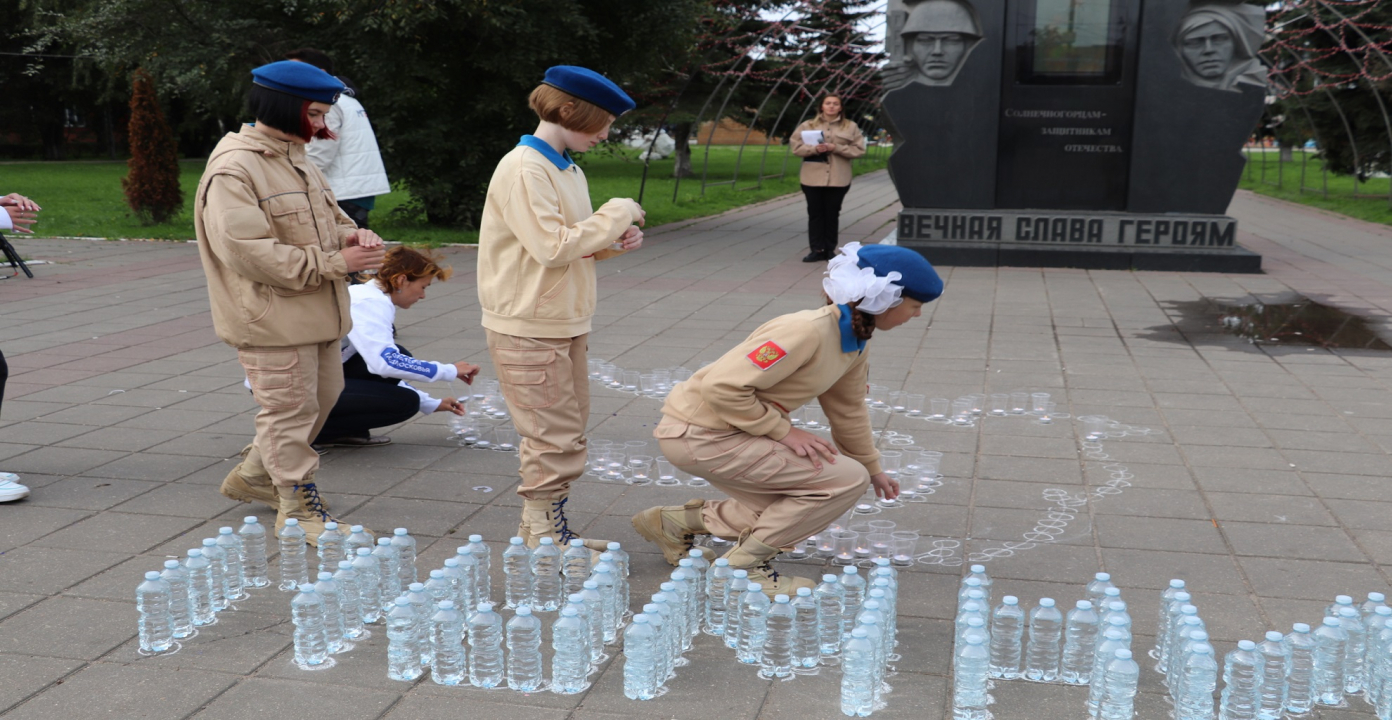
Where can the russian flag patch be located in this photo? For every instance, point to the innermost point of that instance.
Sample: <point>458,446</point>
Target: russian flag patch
<point>767,355</point>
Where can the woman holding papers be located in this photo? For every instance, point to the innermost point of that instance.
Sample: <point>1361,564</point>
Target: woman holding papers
<point>827,144</point>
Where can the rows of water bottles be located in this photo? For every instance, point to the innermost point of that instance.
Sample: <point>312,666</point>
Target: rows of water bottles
<point>1348,655</point>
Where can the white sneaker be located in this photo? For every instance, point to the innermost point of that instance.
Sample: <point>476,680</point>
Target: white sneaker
<point>10,489</point>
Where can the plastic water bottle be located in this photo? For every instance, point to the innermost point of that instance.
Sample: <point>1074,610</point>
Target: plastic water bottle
<point>807,647</point>
<point>152,600</point>
<point>307,613</point>
<point>454,578</point>
<point>1273,661</point>
<point>1368,607</point>
<point>235,580</point>
<point>517,567</point>
<point>686,568</point>
<point>294,571</point>
<point>570,660</point>
<point>483,582</point>
<point>1007,630</point>
<point>1079,643</point>
<point>468,596</point>
<point>753,624</point>
<point>664,653</point>
<point>576,602</point>
<point>620,560</point>
<point>780,639</point>
<point>969,678</point>
<point>330,593</point>
<point>701,566</point>
<point>855,587</point>
<point>1113,639</point>
<point>676,619</point>
<point>606,562</point>
<point>594,617</point>
<point>1097,589</point>
<point>403,654</point>
<point>1176,631</point>
<point>388,573</point>
<point>1356,650</point>
<point>610,612</point>
<point>1340,601</point>
<point>1300,679</point>
<point>420,603</point>
<point>447,645</point>
<point>1122,675</point>
<point>1380,689</point>
<point>1379,636</point>
<point>546,576</point>
<point>858,681</point>
<point>739,583</point>
<point>1195,701</point>
<point>217,565</point>
<point>1241,683</point>
<point>369,586</point>
<point>1116,609</point>
<point>524,667</point>
<point>964,592</point>
<point>357,538</point>
<point>405,546</point>
<point>333,547</point>
<point>200,574</point>
<point>978,572</point>
<point>1169,608</point>
<point>972,609</point>
<point>180,611</point>
<point>350,597</point>
<point>886,580</point>
<point>1118,623</point>
<point>640,664</point>
<point>717,581</point>
<point>1042,653</point>
<point>831,607</point>
<point>974,625</point>
<point>1331,653</point>
<point>1191,638</point>
<point>254,565</point>
<point>485,647</point>
<point>438,587</point>
<point>575,566</point>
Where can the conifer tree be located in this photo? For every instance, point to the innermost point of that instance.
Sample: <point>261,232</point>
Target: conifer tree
<point>152,187</point>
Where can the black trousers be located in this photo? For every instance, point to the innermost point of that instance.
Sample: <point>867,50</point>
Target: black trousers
<point>823,216</point>
<point>4,375</point>
<point>357,212</point>
<point>367,404</point>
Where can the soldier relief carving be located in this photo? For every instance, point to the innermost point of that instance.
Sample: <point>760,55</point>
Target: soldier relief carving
<point>1218,46</point>
<point>934,41</point>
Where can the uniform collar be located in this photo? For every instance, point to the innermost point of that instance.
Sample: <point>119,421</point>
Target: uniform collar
<point>849,341</point>
<point>561,160</point>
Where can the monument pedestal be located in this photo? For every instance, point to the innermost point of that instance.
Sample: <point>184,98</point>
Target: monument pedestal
<point>1092,240</point>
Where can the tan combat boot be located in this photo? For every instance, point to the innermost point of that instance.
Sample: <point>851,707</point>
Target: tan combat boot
<point>546,518</point>
<point>302,503</point>
<point>674,529</point>
<point>249,482</point>
<point>752,555</point>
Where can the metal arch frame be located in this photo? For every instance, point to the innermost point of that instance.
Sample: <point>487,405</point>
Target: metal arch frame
<point>1314,128</point>
<point>643,185</point>
<point>787,153</point>
<point>1382,107</point>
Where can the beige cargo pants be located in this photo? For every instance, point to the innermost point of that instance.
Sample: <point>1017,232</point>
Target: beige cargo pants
<point>546,383</point>
<point>775,494</point>
<point>296,388</point>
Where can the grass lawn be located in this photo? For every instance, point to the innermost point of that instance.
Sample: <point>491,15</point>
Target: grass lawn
<point>85,198</point>
<point>1369,204</point>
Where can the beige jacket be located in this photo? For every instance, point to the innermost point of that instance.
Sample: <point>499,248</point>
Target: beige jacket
<point>836,171</point>
<point>539,238</point>
<point>785,364</point>
<point>269,233</point>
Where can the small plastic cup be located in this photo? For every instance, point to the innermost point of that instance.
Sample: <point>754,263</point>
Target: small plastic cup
<point>1019,403</point>
<point>1046,414</point>
<point>593,365</point>
<point>844,542</point>
<point>1000,404</point>
<point>826,544</point>
<point>898,401</point>
<point>961,412</point>
<point>938,408</point>
<point>881,526</point>
<point>505,439</point>
<point>913,404</point>
<point>803,549</point>
<point>636,447</point>
<point>880,545</point>
<point>615,464</point>
<point>1095,427</point>
<point>647,382</point>
<point>904,544</point>
<point>879,396</point>
<point>1037,401</point>
<point>890,462</point>
<point>639,470</point>
<point>978,403</point>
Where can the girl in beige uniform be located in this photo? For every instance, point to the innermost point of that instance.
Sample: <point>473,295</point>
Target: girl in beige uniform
<point>729,422</point>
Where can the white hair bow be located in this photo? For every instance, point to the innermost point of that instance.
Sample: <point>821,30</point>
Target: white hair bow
<point>846,282</point>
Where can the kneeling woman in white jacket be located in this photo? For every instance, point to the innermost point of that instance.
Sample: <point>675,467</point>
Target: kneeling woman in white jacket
<point>376,369</point>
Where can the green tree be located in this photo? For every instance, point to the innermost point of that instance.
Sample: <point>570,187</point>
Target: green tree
<point>152,187</point>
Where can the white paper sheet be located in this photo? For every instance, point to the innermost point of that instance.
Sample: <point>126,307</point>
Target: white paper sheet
<point>812,137</point>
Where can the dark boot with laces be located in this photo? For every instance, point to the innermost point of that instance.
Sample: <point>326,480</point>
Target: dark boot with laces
<point>302,502</point>
<point>546,518</point>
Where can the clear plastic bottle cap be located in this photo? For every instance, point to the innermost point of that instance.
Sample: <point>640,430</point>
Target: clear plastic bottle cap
<point>606,557</point>
<point>1300,628</point>
<point>1104,577</point>
<point>612,546</point>
<point>524,610</point>
<point>974,639</point>
<point>1117,621</point>
<point>362,552</point>
<point>171,564</point>
<point>1123,654</point>
<point>972,582</point>
<point>1112,592</point>
<point>331,525</point>
<point>671,586</point>
<point>1117,606</point>
<point>1010,600</point>
<point>851,570</point>
<point>402,602</point>
<point>1382,610</point>
<point>859,632</point>
<point>978,568</point>
<point>741,573</point>
<point>1182,597</point>
<point>567,612</point>
<point>1203,649</point>
<point>1376,596</point>
<point>1343,599</point>
<point>871,605</point>
<point>577,598</point>
<point>399,531</point>
<point>753,587</point>
<point>1114,633</point>
<point>515,541</point>
<point>685,562</point>
<point>195,552</point>
<point>1189,610</point>
<point>345,565</point>
<point>356,529</point>
<point>825,578</point>
<point>975,622</point>
<point>651,607</point>
<point>1348,612</point>
<point>380,541</point>
<point>225,531</point>
<point>641,619</point>
<point>451,562</point>
<point>463,550</point>
<point>577,542</point>
<point>307,588</point>
<point>872,621</point>
<point>1046,602</point>
<point>1246,645</point>
<point>328,576</point>
<point>475,538</point>
<point>1200,635</point>
<point>776,598</point>
<point>250,520</point>
<point>416,587</point>
<point>1274,636</point>
<point>152,575</point>
<point>722,562</point>
<point>971,606</point>
<point>446,605</point>
<point>1176,583</point>
<point>804,592</point>
<point>1084,605</point>
<point>482,607</point>
<point>292,521</point>
<point>437,574</point>
<point>547,541</point>
<point>209,542</point>
<point>590,585</point>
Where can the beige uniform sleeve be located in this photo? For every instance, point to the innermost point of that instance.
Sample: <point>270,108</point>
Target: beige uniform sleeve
<point>851,144</point>
<point>844,405</point>
<point>240,236</point>
<point>533,214</point>
<point>797,146</point>
<point>732,384</point>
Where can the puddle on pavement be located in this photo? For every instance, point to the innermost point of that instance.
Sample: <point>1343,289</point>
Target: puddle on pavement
<point>1290,320</point>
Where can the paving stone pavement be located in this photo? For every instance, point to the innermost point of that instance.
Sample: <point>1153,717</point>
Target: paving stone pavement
<point>1263,483</point>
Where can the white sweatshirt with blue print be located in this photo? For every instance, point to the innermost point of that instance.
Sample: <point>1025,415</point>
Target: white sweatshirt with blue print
<point>371,337</point>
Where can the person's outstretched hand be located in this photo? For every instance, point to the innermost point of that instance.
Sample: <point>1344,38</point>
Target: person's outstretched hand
<point>885,486</point>
<point>362,237</point>
<point>451,405</point>
<point>812,447</point>
<point>19,201</point>
<point>466,371</point>
<point>632,239</point>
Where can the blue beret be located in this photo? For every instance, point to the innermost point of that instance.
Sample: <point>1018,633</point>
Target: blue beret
<point>589,86</point>
<point>920,280</point>
<point>299,79</point>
